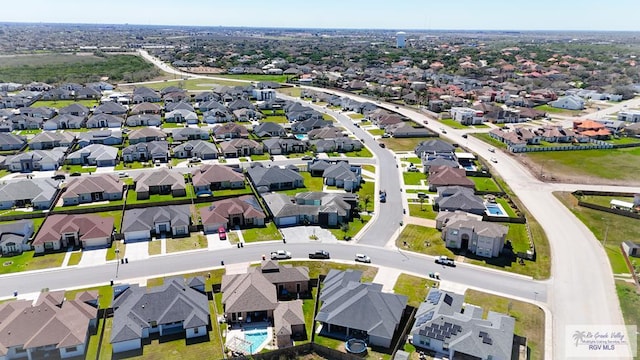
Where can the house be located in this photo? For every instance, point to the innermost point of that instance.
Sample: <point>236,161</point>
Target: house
<point>215,116</point>
<point>241,211</point>
<point>104,137</point>
<point>60,231</point>
<point>144,120</point>
<point>326,209</point>
<point>14,237</point>
<point>209,105</point>
<point>144,94</point>
<point>146,134</point>
<point>181,116</point>
<point>141,224</point>
<point>180,105</point>
<point>406,130</point>
<point>591,129</point>
<point>64,121</point>
<point>469,233</point>
<point>44,113</point>
<point>446,325</point>
<point>94,154</point>
<point>145,108</point>
<point>274,178</point>
<point>38,193</point>
<point>435,147</point>
<point>173,307</point>
<point>240,104</point>
<point>247,115</point>
<point>342,144</point>
<point>88,189</point>
<point>518,137</point>
<point>269,129</point>
<point>209,178</point>
<point>159,182</point>
<point>467,116</point>
<point>230,131</point>
<point>283,146</point>
<point>570,102</point>
<point>326,133</point>
<point>75,109</point>
<point>631,116</point>
<point>102,120</point>
<point>429,161</point>
<point>22,122</point>
<point>52,327</point>
<point>351,308</point>
<point>49,140</point>
<point>87,93</point>
<point>454,198</point>
<point>35,160</point>
<point>9,141</point>
<point>302,127</point>
<point>189,133</point>
<point>154,150</point>
<point>240,147</point>
<point>288,322</point>
<point>110,108</point>
<point>448,176</point>
<point>343,175</point>
<point>196,148</point>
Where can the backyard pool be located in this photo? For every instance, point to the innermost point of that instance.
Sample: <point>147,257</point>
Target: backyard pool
<point>495,209</point>
<point>257,338</point>
<point>302,137</point>
<point>470,167</point>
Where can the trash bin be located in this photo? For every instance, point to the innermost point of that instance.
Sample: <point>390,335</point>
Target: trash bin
<point>111,281</point>
<point>241,245</point>
<point>122,261</point>
<point>238,245</point>
<point>222,262</point>
<point>126,260</point>
<point>15,293</point>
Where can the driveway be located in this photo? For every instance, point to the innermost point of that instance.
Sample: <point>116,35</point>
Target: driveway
<point>214,243</point>
<point>92,257</point>
<point>304,233</point>
<point>137,250</point>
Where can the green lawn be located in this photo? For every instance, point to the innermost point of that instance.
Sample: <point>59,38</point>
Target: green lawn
<point>171,125</point>
<point>369,168</point>
<point>317,268</point>
<point>79,169</point>
<point>604,200</point>
<point>267,233</point>
<point>617,229</point>
<point>291,91</point>
<point>105,294</point>
<point>232,192</point>
<point>364,152</point>
<point>413,160</point>
<point>454,124</point>
<point>28,261</point>
<point>424,211</point>
<point>133,165</point>
<point>116,215</point>
<point>260,157</point>
<point>132,197</point>
<point>59,104</point>
<point>280,119</point>
<point>518,236</point>
<point>356,116</point>
<point>630,304</point>
<point>352,229</point>
<point>311,183</point>
<point>489,140</point>
<point>506,207</point>
<point>28,132</point>
<point>413,287</point>
<point>74,259</point>
<point>365,192</point>
<point>403,144</point>
<point>193,242</point>
<point>328,117</point>
<point>90,207</point>
<point>484,184</point>
<point>530,321</point>
<point>376,132</point>
<point>620,165</point>
<point>413,178</point>
<point>111,251</point>
<point>422,239</point>
<point>256,77</point>
<point>155,247</point>
<point>552,110</point>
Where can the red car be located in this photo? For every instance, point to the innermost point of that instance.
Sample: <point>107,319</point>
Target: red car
<point>222,233</point>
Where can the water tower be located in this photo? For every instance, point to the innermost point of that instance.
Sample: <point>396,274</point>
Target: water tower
<point>400,39</point>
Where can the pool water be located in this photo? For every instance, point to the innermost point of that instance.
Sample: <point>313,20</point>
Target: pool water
<point>301,136</point>
<point>494,210</point>
<point>257,338</point>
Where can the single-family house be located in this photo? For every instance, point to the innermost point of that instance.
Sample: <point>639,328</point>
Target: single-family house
<point>85,230</point>
<point>174,307</point>
<point>144,120</point>
<point>467,116</point>
<point>145,151</point>
<point>145,108</point>
<point>631,116</point>
<point>230,131</point>
<point>146,134</point>
<point>49,140</point>
<point>196,148</point>
<point>247,115</point>
<point>64,121</point>
<point>208,105</point>
<point>629,247</point>
<point>38,193</point>
<point>22,122</point>
<point>240,104</point>
<point>180,105</point>
<point>181,116</point>
<point>446,325</point>
<point>141,224</point>
<point>75,109</point>
<point>570,102</point>
<point>42,112</point>
<point>458,198</point>
<point>51,328</point>
<point>351,308</point>
<point>241,211</point>
<point>94,154</point>
<point>103,137</point>
<point>343,175</point>
<point>110,108</point>
<point>36,160</point>
<point>216,116</point>
<point>269,129</point>
<point>240,147</point>
<point>288,323</point>
<point>302,127</point>
<point>189,133</point>
<point>15,236</point>
<point>467,232</point>
<point>329,132</point>
<point>448,176</point>
<point>87,189</point>
<point>325,209</point>
<point>159,182</point>
<point>343,144</point>
<point>406,130</point>
<point>103,120</point>
<point>435,147</point>
<point>145,94</point>
<point>274,178</point>
<point>283,146</point>
<point>9,141</point>
<point>209,178</point>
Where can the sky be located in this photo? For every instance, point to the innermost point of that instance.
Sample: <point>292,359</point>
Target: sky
<point>616,15</point>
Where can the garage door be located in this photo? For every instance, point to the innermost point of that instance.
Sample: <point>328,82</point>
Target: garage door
<point>290,220</point>
<point>137,235</point>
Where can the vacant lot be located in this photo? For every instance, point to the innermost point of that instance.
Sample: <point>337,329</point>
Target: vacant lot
<point>403,144</point>
<point>423,240</point>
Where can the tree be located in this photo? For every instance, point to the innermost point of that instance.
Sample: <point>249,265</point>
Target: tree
<point>366,199</point>
<point>345,229</point>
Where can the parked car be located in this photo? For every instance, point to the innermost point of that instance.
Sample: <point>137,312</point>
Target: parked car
<point>363,258</point>
<point>123,174</point>
<point>307,157</point>
<point>59,177</point>
<point>75,174</point>
<point>494,160</point>
<point>280,254</point>
<point>222,233</point>
<point>320,254</point>
<point>385,135</point>
<point>491,149</point>
<point>382,145</point>
<point>443,260</point>
<point>195,160</point>
<point>464,136</point>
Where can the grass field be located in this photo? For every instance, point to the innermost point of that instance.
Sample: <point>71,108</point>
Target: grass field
<point>194,242</point>
<point>422,239</point>
<point>484,184</point>
<point>403,144</point>
<point>424,211</point>
<point>59,104</point>
<point>552,110</point>
<point>454,124</point>
<point>28,261</point>
<point>256,77</point>
<point>375,132</point>
<point>366,191</point>
<point>619,165</point>
<point>413,287</point>
<point>353,228</point>
<point>280,119</point>
<point>75,258</point>
<point>413,178</point>
<point>266,233</point>
<point>356,116</point>
<point>529,318</point>
<point>291,91</point>
<point>616,228</point>
<point>190,84</point>
<point>630,304</point>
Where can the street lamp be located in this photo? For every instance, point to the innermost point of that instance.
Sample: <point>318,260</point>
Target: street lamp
<point>117,260</point>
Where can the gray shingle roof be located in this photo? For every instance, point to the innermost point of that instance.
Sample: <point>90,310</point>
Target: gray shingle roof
<point>144,219</point>
<point>39,189</point>
<point>262,176</point>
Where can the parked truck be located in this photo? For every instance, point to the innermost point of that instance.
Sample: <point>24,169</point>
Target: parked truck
<point>320,254</point>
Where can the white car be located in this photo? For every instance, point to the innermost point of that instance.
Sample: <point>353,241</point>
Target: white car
<point>280,254</point>
<point>494,160</point>
<point>492,149</point>
<point>363,258</point>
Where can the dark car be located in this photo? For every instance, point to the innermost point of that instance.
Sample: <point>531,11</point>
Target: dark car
<point>382,145</point>
<point>320,254</point>
<point>59,177</point>
<point>75,174</point>
<point>464,136</point>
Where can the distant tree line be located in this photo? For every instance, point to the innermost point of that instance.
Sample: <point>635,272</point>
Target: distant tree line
<point>118,68</point>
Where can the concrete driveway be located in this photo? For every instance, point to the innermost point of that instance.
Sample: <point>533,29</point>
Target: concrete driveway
<point>92,257</point>
<point>304,233</point>
<point>137,250</point>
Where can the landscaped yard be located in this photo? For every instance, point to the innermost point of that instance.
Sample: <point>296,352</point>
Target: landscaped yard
<point>530,321</point>
<point>454,124</point>
<point>116,215</point>
<point>317,268</point>
<point>133,165</point>
<point>518,236</point>
<point>74,259</point>
<point>616,228</point>
<point>352,229</point>
<point>413,178</point>
<point>267,233</point>
<point>311,183</point>
<point>413,160</point>
<point>79,169</point>
<point>258,157</point>
<point>280,119</point>
<point>132,197</point>
<point>291,91</point>
<point>356,116</point>
<point>365,192</point>
<point>403,144</point>
<point>424,211</point>
<point>171,125</point>
<point>422,239</point>
<point>376,132</point>
<point>484,184</point>
<point>28,261</point>
<point>491,142</point>
<point>105,294</point>
<point>91,207</point>
<point>193,242</point>
<point>111,251</point>
<point>553,110</point>
<point>364,152</point>
<point>413,287</point>
<point>155,247</point>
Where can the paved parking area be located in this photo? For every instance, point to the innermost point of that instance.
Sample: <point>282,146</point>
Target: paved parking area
<point>137,250</point>
<point>303,234</point>
<point>92,257</point>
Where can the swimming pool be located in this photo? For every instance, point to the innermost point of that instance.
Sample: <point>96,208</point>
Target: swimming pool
<point>495,210</point>
<point>302,136</point>
<point>257,338</point>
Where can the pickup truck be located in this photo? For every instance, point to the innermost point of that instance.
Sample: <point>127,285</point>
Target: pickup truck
<point>280,254</point>
<point>443,260</point>
<point>320,254</point>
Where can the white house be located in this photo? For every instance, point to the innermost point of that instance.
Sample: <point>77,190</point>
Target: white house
<point>570,102</point>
